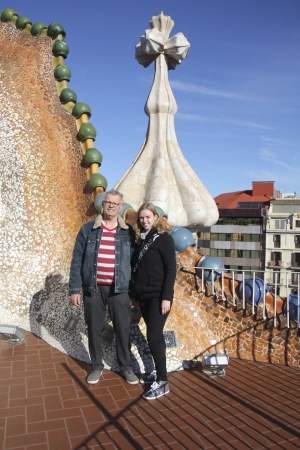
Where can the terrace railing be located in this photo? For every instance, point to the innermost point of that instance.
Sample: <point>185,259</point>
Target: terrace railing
<point>252,287</point>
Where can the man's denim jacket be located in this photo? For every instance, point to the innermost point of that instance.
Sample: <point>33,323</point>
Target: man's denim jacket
<point>84,262</point>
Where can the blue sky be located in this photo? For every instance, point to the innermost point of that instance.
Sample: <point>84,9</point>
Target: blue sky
<point>238,91</point>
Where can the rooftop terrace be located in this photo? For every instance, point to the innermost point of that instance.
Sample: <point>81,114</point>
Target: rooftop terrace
<point>46,404</point>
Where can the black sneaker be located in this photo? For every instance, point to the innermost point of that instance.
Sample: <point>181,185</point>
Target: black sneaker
<point>130,377</point>
<point>149,378</point>
<point>94,376</point>
<point>158,389</point>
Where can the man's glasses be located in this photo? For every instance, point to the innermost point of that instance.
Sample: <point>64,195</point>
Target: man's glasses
<point>111,203</point>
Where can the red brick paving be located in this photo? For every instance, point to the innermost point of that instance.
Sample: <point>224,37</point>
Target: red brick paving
<point>46,404</point>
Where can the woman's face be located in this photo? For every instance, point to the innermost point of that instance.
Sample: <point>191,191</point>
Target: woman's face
<point>147,219</point>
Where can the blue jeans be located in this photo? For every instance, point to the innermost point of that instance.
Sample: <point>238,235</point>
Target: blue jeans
<point>95,304</point>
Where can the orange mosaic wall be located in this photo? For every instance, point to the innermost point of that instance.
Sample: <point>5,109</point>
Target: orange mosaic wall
<point>42,201</point>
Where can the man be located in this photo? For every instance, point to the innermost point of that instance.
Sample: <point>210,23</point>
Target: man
<point>101,267</point>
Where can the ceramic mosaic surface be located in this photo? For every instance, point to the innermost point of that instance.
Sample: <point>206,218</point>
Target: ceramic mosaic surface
<point>42,203</point>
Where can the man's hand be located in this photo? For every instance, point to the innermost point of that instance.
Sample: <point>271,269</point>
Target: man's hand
<point>165,306</point>
<point>134,303</point>
<point>75,299</point>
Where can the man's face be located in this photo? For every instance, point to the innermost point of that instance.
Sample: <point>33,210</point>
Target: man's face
<point>111,206</point>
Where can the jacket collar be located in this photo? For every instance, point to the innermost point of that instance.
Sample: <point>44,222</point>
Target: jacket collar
<point>151,233</point>
<point>121,222</point>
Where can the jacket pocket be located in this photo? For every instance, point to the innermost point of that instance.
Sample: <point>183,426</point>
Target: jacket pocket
<point>90,247</point>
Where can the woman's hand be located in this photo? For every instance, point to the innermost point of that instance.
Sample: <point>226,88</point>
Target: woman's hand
<point>165,306</point>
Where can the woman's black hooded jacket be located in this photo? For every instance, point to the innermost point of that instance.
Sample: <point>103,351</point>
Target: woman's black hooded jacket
<point>154,267</point>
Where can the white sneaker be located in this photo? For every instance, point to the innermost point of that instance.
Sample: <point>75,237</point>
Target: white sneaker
<point>158,389</point>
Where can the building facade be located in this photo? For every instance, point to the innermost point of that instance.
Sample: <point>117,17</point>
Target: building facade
<point>258,232</point>
<point>282,232</point>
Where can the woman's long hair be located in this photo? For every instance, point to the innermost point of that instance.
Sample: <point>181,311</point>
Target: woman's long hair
<point>157,223</point>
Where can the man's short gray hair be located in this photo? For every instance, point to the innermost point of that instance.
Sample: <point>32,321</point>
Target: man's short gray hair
<point>114,192</point>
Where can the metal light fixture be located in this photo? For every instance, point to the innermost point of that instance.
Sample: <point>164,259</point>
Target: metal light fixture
<point>13,335</point>
<point>214,364</point>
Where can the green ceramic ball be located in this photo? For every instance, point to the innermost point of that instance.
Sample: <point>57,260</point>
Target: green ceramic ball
<point>60,48</point>
<point>81,108</point>
<point>54,29</point>
<point>37,28</point>
<point>7,14</point>
<point>62,72</point>
<point>97,180</point>
<point>67,95</point>
<point>22,21</point>
<point>92,156</point>
<point>86,131</point>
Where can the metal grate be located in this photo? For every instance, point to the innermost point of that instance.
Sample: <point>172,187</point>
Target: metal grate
<point>170,339</point>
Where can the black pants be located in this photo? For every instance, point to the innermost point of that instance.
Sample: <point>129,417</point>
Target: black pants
<point>155,322</point>
<point>120,314</point>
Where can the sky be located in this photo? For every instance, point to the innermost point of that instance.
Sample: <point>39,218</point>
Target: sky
<point>238,90</point>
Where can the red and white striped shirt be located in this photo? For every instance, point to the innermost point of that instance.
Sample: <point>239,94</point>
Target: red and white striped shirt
<point>106,256</point>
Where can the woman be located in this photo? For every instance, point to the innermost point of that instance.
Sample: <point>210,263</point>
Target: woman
<point>154,272</point>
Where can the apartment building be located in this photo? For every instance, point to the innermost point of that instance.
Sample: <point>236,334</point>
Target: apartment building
<point>238,238</point>
<point>282,232</point>
<point>258,231</point>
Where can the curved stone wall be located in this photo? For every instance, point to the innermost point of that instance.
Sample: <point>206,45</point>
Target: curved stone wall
<point>42,201</point>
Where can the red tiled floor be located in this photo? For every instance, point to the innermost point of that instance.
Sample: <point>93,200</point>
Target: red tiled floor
<point>46,404</point>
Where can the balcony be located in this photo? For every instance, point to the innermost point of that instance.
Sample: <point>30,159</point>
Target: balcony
<point>293,264</point>
<point>275,263</point>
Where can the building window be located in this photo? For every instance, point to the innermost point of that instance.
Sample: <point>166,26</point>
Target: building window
<point>203,244</point>
<point>297,223</point>
<point>295,278</point>
<point>255,254</point>
<point>276,276</point>
<point>255,237</point>
<point>297,241</point>
<point>280,224</point>
<point>204,235</point>
<point>295,259</point>
<point>276,239</point>
<point>276,258</point>
<point>251,205</point>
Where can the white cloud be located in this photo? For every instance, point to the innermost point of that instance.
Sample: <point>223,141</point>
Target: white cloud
<point>252,125</point>
<point>195,117</point>
<point>203,90</point>
<point>273,142</point>
<point>235,122</point>
<point>268,155</point>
